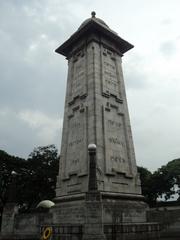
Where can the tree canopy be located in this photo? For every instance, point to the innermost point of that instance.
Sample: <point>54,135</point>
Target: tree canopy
<point>35,177</point>
<point>164,182</point>
<point>40,179</point>
<point>8,164</point>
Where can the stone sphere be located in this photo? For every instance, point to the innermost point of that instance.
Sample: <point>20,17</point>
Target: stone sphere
<point>92,147</point>
<point>45,204</point>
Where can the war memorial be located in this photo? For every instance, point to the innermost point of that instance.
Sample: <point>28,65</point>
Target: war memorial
<point>98,191</point>
<point>96,113</point>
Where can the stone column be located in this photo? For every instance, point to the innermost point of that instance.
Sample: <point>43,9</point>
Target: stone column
<point>92,186</point>
<point>93,227</point>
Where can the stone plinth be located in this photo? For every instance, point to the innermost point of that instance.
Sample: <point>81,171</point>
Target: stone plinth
<point>103,217</point>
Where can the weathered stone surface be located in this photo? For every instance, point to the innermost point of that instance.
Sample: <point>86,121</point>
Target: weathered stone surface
<point>8,216</point>
<point>96,112</point>
<point>69,212</point>
<point>24,226</point>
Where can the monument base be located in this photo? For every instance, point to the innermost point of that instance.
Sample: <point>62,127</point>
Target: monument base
<point>123,208</point>
<point>90,216</point>
<point>105,216</point>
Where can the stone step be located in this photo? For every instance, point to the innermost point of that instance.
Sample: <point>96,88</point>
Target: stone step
<point>170,235</point>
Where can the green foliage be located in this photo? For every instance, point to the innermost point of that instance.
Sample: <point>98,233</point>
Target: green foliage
<point>36,176</point>
<point>163,182</point>
<point>8,164</point>
<point>147,184</point>
<point>40,179</point>
<point>169,177</point>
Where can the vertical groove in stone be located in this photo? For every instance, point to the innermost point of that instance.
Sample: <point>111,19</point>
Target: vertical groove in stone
<point>118,77</point>
<point>127,145</point>
<point>86,71</point>
<point>94,95</point>
<point>104,141</point>
<point>87,141</point>
<point>101,69</point>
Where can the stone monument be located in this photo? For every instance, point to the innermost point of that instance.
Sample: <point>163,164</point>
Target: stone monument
<point>96,113</point>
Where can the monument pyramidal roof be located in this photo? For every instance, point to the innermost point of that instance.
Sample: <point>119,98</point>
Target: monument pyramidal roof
<point>96,25</point>
<point>93,18</point>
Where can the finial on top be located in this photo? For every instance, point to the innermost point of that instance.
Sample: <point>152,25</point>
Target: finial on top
<point>93,14</point>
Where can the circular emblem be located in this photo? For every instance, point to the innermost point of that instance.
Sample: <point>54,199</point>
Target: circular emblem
<point>47,233</point>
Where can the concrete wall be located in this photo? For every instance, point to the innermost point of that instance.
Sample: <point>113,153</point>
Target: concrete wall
<point>24,226</point>
<point>169,218</point>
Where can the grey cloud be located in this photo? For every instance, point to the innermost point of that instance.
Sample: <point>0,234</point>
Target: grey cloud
<point>168,48</point>
<point>33,80</point>
<point>19,138</point>
<point>24,85</point>
<point>134,73</point>
<point>155,122</point>
<point>135,80</point>
<point>30,79</point>
<point>166,21</point>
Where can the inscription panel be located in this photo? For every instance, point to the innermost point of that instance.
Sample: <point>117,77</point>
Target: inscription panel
<point>76,144</point>
<point>116,157</point>
<point>109,73</point>
<point>78,78</point>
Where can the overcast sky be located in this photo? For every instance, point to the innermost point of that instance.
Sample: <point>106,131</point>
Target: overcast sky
<point>33,76</point>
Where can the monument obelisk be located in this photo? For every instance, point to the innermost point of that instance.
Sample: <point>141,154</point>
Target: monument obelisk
<point>96,112</point>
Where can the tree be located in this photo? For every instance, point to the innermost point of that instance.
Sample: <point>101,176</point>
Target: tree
<point>8,164</point>
<point>148,185</point>
<point>39,180</point>
<point>36,176</point>
<point>164,182</point>
<point>169,179</point>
